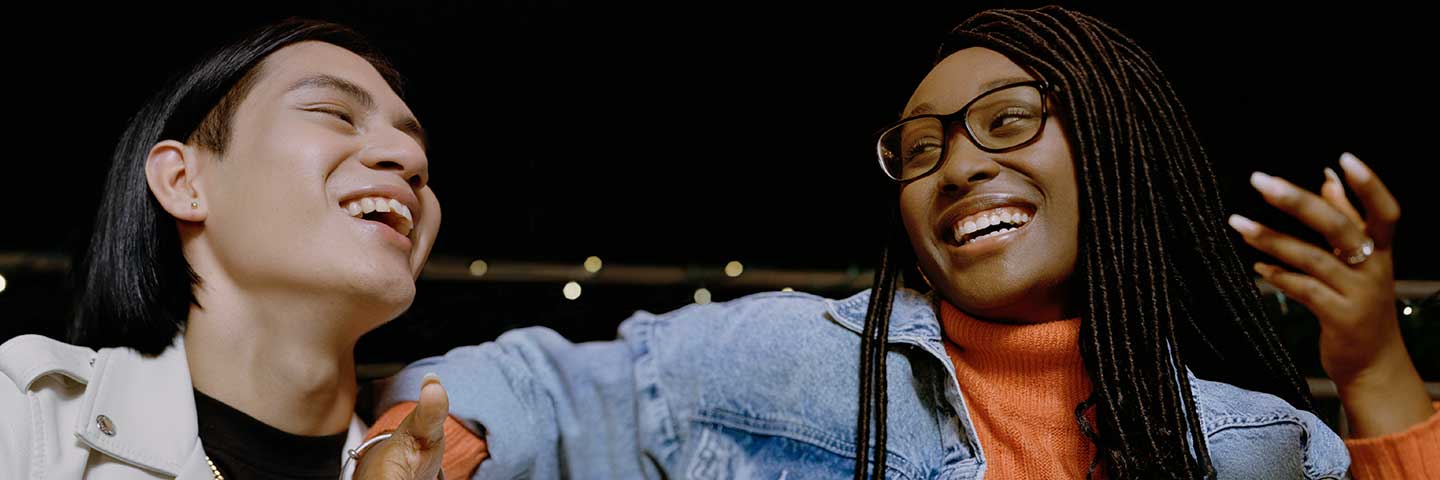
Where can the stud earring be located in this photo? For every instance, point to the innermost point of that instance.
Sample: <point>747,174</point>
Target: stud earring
<point>194,204</point>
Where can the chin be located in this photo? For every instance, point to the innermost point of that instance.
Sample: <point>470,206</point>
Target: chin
<point>391,292</point>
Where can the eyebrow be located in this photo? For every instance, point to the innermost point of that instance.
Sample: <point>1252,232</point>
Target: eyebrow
<point>927,108</point>
<point>359,95</point>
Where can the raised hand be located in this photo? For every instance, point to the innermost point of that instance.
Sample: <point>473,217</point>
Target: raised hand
<point>1350,286</point>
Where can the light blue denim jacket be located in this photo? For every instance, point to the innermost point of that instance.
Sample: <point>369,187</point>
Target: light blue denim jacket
<point>765,387</point>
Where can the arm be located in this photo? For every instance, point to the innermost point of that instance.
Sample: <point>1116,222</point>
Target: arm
<point>1411,453</point>
<point>544,407</point>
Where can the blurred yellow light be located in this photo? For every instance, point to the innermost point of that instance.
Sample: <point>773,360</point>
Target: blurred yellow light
<point>734,269</point>
<point>702,296</point>
<point>593,264</point>
<point>787,289</point>
<point>1408,310</point>
<point>479,267</point>
<point>2,283</point>
<point>571,291</point>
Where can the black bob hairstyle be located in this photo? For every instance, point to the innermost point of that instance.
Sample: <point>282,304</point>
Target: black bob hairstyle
<point>134,286</point>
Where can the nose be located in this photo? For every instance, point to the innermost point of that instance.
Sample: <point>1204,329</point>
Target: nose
<point>965,166</point>
<point>396,151</point>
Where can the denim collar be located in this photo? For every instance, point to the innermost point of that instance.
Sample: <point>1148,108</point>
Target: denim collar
<point>912,315</point>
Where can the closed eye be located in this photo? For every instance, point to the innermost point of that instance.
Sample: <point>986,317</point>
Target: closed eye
<point>337,113</point>
<point>344,117</point>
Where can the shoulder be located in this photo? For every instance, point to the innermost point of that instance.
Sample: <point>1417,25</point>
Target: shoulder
<point>762,321</point>
<point>1255,434</point>
<point>42,384</point>
<point>754,310</point>
<point>28,358</point>
<point>783,346</point>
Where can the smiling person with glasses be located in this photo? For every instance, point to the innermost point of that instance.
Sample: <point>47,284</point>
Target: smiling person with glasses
<point>1071,306</point>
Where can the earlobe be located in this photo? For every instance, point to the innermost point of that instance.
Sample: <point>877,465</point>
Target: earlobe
<point>170,170</point>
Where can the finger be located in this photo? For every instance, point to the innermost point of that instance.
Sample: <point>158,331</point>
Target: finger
<point>1381,209</point>
<point>1310,209</point>
<point>426,424</point>
<point>1305,289</point>
<point>1302,256</point>
<point>1333,191</point>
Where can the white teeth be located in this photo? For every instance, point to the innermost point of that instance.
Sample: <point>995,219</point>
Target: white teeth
<point>1012,216</point>
<point>991,234</point>
<point>404,211</point>
<point>358,208</point>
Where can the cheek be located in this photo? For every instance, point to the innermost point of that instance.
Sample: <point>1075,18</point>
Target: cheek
<point>429,229</point>
<point>914,211</point>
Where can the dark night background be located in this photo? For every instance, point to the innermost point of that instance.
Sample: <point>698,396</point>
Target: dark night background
<point>691,134</point>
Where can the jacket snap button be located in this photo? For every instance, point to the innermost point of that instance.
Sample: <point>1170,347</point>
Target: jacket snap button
<point>106,426</point>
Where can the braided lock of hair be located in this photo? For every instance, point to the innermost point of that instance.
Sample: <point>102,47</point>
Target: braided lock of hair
<point>1160,277</point>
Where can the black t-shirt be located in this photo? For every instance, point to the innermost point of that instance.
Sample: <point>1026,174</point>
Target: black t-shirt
<point>244,448</point>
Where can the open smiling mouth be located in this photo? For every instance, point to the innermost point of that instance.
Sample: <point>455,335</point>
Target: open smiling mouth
<point>990,223</point>
<point>388,211</point>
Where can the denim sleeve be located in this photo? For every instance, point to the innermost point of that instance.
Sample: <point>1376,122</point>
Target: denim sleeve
<point>548,408</point>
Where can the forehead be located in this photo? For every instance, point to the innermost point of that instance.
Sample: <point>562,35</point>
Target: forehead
<point>302,60</point>
<point>962,76</point>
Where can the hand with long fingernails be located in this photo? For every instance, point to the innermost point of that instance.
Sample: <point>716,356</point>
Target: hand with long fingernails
<point>1350,287</point>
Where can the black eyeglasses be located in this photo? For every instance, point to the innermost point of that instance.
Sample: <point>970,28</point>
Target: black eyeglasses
<point>1000,120</point>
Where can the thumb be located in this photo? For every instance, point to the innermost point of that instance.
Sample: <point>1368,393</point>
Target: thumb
<point>417,447</point>
<point>426,424</point>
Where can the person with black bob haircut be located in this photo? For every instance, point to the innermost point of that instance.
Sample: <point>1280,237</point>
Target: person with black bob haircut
<point>264,210</point>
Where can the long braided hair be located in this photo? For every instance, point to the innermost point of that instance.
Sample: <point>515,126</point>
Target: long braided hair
<point>1164,287</point>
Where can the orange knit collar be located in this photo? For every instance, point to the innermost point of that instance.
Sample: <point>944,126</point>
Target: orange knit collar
<point>1049,342</point>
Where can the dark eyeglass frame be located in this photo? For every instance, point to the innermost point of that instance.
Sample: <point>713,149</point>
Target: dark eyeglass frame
<point>947,119</point>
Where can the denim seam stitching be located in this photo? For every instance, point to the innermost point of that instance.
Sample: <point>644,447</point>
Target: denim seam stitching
<point>794,431</point>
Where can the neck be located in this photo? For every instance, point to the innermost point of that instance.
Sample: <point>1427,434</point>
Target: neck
<point>285,359</point>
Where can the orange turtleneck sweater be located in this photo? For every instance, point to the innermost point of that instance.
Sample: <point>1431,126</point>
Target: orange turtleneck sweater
<point>1022,383</point>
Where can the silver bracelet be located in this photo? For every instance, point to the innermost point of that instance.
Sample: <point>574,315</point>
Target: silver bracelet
<point>355,453</point>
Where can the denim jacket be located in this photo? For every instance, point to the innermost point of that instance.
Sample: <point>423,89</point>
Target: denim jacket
<point>765,387</point>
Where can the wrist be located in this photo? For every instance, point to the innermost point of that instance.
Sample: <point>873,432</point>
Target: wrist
<point>1387,396</point>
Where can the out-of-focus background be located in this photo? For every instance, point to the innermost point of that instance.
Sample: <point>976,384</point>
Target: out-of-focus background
<point>598,158</point>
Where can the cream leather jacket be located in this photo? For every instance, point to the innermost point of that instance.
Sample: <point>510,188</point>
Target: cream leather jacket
<point>72,412</point>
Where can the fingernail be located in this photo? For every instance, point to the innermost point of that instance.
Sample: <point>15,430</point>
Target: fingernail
<point>1266,184</point>
<point>1331,176</point>
<point>1354,168</point>
<point>1243,225</point>
<point>430,377</point>
<point>1262,269</point>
